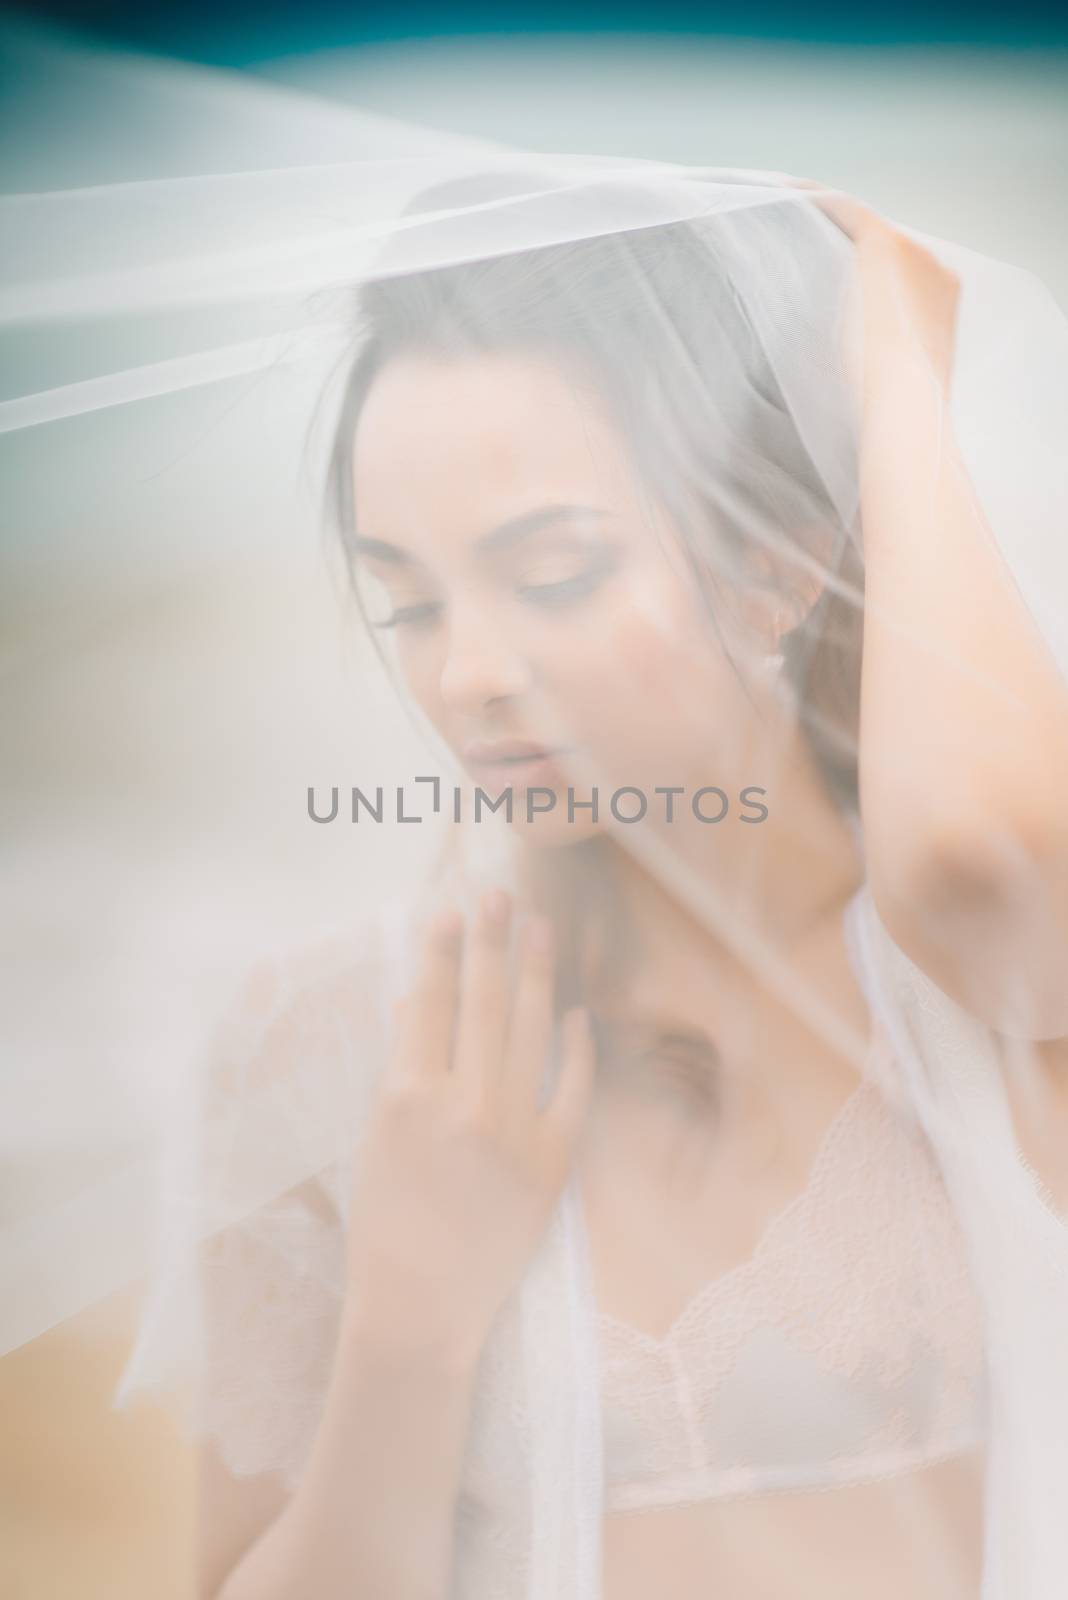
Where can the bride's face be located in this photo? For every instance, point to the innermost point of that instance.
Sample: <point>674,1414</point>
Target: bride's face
<point>543,618</point>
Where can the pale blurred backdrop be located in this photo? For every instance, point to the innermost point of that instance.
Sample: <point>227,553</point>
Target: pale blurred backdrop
<point>167,706</point>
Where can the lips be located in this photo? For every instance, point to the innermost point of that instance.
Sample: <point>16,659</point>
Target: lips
<point>515,762</point>
<point>506,750</point>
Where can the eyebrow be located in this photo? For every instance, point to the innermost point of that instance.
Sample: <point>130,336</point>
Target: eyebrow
<point>500,538</point>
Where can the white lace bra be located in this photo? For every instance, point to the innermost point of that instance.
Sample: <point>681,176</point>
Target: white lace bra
<point>847,1347</point>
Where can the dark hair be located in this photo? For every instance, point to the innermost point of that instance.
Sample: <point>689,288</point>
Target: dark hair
<point>651,319</point>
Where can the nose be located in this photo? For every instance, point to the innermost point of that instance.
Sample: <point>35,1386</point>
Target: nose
<point>481,663</point>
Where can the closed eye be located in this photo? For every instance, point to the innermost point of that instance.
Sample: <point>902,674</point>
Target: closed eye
<point>556,592</point>
<point>562,590</point>
<point>411,616</point>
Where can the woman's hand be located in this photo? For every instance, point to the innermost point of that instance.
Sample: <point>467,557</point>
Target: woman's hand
<point>463,1166</point>
<point>908,298</point>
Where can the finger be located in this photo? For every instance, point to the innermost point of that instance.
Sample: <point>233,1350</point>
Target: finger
<point>425,1017</point>
<point>844,210</point>
<point>569,1105</point>
<point>530,1029</point>
<point>482,1020</point>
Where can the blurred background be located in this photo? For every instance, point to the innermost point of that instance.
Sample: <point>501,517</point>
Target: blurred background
<point>165,706</point>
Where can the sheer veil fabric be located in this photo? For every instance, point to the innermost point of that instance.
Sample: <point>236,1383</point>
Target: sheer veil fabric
<point>819,1356</point>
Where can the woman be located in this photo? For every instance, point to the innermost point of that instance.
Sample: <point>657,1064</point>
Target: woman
<point>674,615</point>
<point>663,1191</point>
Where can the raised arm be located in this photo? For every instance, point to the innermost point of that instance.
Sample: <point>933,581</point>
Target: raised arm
<point>964,713</point>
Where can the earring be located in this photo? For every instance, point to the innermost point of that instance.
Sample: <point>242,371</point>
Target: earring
<point>775,659</point>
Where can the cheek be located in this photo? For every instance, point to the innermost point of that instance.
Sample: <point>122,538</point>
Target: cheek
<point>419,663</point>
<point>644,669</point>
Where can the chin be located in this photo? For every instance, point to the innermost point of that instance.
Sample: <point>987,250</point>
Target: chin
<point>547,834</point>
<point>551,830</point>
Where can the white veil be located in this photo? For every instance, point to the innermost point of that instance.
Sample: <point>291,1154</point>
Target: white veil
<point>204,974</point>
